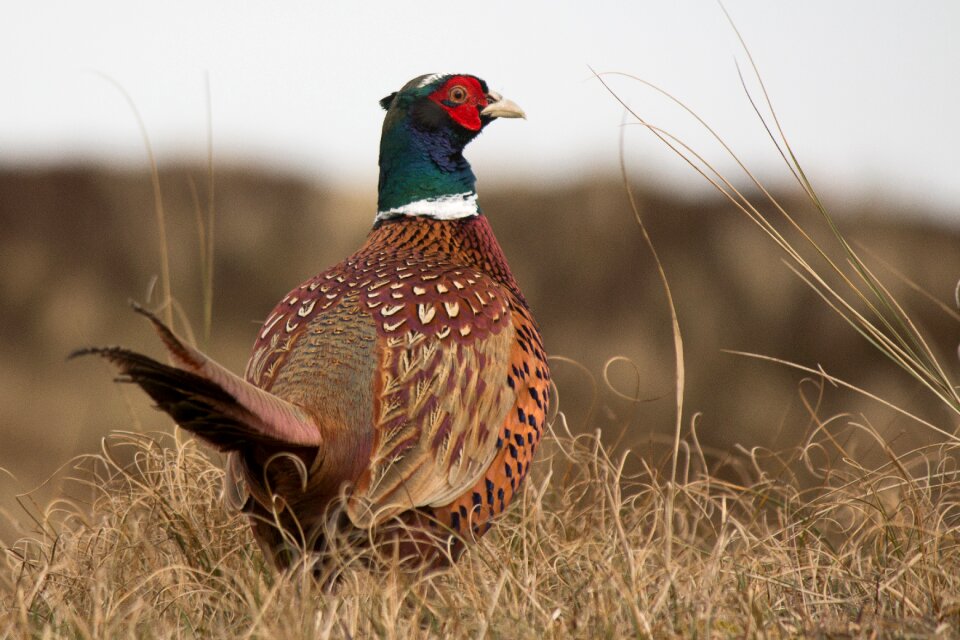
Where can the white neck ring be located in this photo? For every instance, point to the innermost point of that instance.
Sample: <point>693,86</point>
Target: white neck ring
<point>449,207</point>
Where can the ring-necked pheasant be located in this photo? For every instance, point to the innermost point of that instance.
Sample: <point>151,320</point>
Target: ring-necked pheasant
<point>409,381</point>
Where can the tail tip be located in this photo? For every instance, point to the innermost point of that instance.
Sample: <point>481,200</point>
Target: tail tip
<point>85,351</point>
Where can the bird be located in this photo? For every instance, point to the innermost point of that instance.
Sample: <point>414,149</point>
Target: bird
<point>400,394</point>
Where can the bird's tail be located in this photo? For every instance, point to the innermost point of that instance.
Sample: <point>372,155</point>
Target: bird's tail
<point>208,400</point>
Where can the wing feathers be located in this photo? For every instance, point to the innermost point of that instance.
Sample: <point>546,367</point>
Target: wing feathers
<point>441,409</point>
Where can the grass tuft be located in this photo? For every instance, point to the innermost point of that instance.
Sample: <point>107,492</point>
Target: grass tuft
<point>150,551</point>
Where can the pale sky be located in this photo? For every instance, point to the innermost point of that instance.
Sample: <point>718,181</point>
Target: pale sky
<point>868,91</point>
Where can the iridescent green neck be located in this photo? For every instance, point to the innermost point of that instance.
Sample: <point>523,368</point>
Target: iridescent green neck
<point>423,172</point>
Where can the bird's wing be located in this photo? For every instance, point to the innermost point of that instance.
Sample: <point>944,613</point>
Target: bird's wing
<point>520,431</point>
<point>441,392</point>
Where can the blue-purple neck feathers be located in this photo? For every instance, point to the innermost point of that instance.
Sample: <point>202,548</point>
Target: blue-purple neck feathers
<point>422,168</point>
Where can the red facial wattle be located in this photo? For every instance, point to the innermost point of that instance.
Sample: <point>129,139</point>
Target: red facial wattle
<point>466,113</point>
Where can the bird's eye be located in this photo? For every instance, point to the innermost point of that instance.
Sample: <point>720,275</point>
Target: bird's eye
<point>457,94</point>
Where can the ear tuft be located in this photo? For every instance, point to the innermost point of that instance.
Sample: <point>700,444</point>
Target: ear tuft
<point>385,102</point>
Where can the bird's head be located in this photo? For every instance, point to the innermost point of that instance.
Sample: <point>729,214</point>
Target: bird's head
<point>428,123</point>
<point>459,102</point>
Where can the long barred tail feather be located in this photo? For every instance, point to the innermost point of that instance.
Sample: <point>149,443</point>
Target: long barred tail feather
<point>195,403</point>
<point>205,398</point>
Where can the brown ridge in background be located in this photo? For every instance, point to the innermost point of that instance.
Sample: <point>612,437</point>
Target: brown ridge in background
<point>78,242</point>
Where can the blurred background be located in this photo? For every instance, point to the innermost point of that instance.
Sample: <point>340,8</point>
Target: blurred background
<point>282,101</point>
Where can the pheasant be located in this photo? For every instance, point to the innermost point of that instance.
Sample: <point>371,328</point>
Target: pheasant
<point>402,391</point>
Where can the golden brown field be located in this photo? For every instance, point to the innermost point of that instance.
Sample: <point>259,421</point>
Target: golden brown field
<point>791,505</point>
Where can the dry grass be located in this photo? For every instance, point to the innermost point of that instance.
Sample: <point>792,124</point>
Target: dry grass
<point>585,553</point>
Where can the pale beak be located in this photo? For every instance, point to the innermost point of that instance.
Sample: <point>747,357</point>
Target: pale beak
<point>500,107</point>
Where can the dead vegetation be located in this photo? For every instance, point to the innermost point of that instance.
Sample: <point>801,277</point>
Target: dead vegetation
<point>734,548</point>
